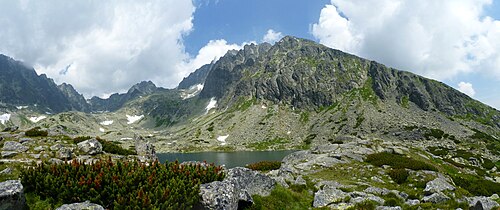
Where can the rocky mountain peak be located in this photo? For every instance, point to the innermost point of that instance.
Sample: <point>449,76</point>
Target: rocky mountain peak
<point>144,87</point>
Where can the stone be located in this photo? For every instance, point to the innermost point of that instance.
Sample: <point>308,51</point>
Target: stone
<point>327,196</point>
<point>39,148</point>
<point>144,149</point>
<point>388,208</point>
<point>81,206</point>
<point>494,197</point>
<point>377,191</point>
<point>7,170</point>
<point>10,129</point>
<point>300,181</point>
<point>219,195</point>
<point>90,147</point>
<point>56,147</point>
<point>438,197</point>
<point>438,185</point>
<point>65,153</point>
<point>36,156</point>
<point>14,146</point>
<point>412,202</point>
<point>482,202</point>
<point>8,154</point>
<point>55,160</point>
<point>11,195</point>
<point>251,181</point>
<point>22,140</point>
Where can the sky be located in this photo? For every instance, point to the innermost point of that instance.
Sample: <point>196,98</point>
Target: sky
<point>102,47</point>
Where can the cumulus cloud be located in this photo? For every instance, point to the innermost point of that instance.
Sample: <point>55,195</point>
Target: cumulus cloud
<point>438,39</point>
<point>272,36</point>
<point>99,47</point>
<point>466,88</point>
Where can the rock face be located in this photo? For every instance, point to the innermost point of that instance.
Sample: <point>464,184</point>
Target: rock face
<point>438,197</point>
<point>237,188</point>
<point>81,206</point>
<point>116,101</point>
<point>11,195</point>
<point>196,77</point>
<point>438,185</point>
<point>90,147</point>
<point>482,203</point>
<point>328,195</point>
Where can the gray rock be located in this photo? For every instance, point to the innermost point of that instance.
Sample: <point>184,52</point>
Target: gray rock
<point>438,185</point>
<point>22,140</point>
<point>39,148</point>
<point>36,156</point>
<point>438,197</point>
<point>65,153</point>
<point>10,129</point>
<point>56,147</point>
<point>7,170</point>
<point>482,202</point>
<point>14,146</point>
<point>55,160</point>
<point>11,195</point>
<point>145,149</point>
<point>388,208</point>
<point>251,181</point>
<point>90,147</point>
<point>359,197</point>
<point>300,181</point>
<point>327,196</point>
<point>412,202</point>
<point>219,195</point>
<point>8,153</point>
<point>377,191</point>
<point>81,206</point>
<point>494,196</point>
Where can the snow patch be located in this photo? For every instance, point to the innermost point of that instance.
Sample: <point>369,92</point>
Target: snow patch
<point>21,107</point>
<point>264,106</point>
<point>102,130</point>
<point>36,119</point>
<point>106,122</point>
<point>211,104</point>
<point>289,132</point>
<point>126,138</point>
<point>133,119</point>
<point>4,118</point>
<point>192,91</point>
<point>222,139</point>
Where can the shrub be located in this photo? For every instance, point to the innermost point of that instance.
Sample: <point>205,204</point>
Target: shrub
<point>477,185</point>
<point>436,133</point>
<point>34,132</point>
<point>79,139</point>
<point>128,185</point>
<point>365,205</point>
<point>391,202</point>
<point>111,147</point>
<point>282,198</point>
<point>398,161</point>
<point>264,165</point>
<point>399,175</point>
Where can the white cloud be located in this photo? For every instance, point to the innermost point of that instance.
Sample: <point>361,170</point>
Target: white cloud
<point>438,39</point>
<point>272,36</point>
<point>106,46</point>
<point>466,88</point>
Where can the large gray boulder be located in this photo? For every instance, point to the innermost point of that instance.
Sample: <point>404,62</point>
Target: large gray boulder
<point>482,203</point>
<point>144,149</point>
<point>438,197</point>
<point>11,195</point>
<point>14,146</point>
<point>219,195</point>
<point>65,153</point>
<point>251,181</point>
<point>81,206</point>
<point>90,147</point>
<point>328,195</point>
<point>438,185</point>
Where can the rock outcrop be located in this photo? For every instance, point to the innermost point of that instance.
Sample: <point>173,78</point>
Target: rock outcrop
<point>81,206</point>
<point>12,195</point>
<point>90,147</point>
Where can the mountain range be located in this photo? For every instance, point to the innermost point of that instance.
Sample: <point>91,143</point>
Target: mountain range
<point>288,95</point>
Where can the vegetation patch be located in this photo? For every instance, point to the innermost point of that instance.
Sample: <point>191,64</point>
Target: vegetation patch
<point>282,198</point>
<point>35,132</point>
<point>398,161</point>
<point>264,165</point>
<point>304,117</point>
<point>482,136</point>
<point>264,145</point>
<point>128,185</point>
<point>399,175</point>
<point>434,132</point>
<point>405,102</point>
<point>107,146</point>
<point>476,185</point>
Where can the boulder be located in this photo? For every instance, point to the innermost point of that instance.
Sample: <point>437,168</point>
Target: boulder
<point>81,206</point>
<point>438,185</point>
<point>8,154</point>
<point>327,196</point>
<point>412,202</point>
<point>251,181</point>
<point>65,153</point>
<point>438,197</point>
<point>22,140</point>
<point>11,195</point>
<point>300,181</point>
<point>388,208</point>
<point>90,147</point>
<point>144,149</point>
<point>56,147</point>
<point>219,195</point>
<point>482,202</point>
<point>14,146</point>
<point>377,191</point>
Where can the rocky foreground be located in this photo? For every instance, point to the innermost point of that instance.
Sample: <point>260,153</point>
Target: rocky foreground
<point>334,176</point>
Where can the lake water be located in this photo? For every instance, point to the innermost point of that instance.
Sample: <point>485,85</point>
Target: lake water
<point>229,159</point>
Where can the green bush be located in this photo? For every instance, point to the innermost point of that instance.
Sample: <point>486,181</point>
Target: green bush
<point>391,202</point>
<point>282,198</point>
<point>128,185</point>
<point>438,151</point>
<point>398,161</point>
<point>399,175</point>
<point>113,148</point>
<point>477,185</point>
<point>79,139</point>
<point>434,132</point>
<point>365,205</point>
<point>264,165</point>
<point>34,132</point>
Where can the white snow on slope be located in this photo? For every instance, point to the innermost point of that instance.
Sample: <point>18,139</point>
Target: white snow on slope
<point>192,91</point>
<point>36,119</point>
<point>4,118</point>
<point>102,130</point>
<point>21,107</point>
<point>211,104</point>
<point>106,122</point>
<point>133,119</point>
<point>222,139</point>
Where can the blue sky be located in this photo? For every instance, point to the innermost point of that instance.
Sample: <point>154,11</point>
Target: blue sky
<point>103,47</point>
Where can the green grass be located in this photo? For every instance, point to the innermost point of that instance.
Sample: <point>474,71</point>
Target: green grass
<point>398,161</point>
<point>268,144</point>
<point>282,198</point>
<point>476,185</point>
<point>405,102</point>
<point>304,117</point>
<point>399,175</point>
